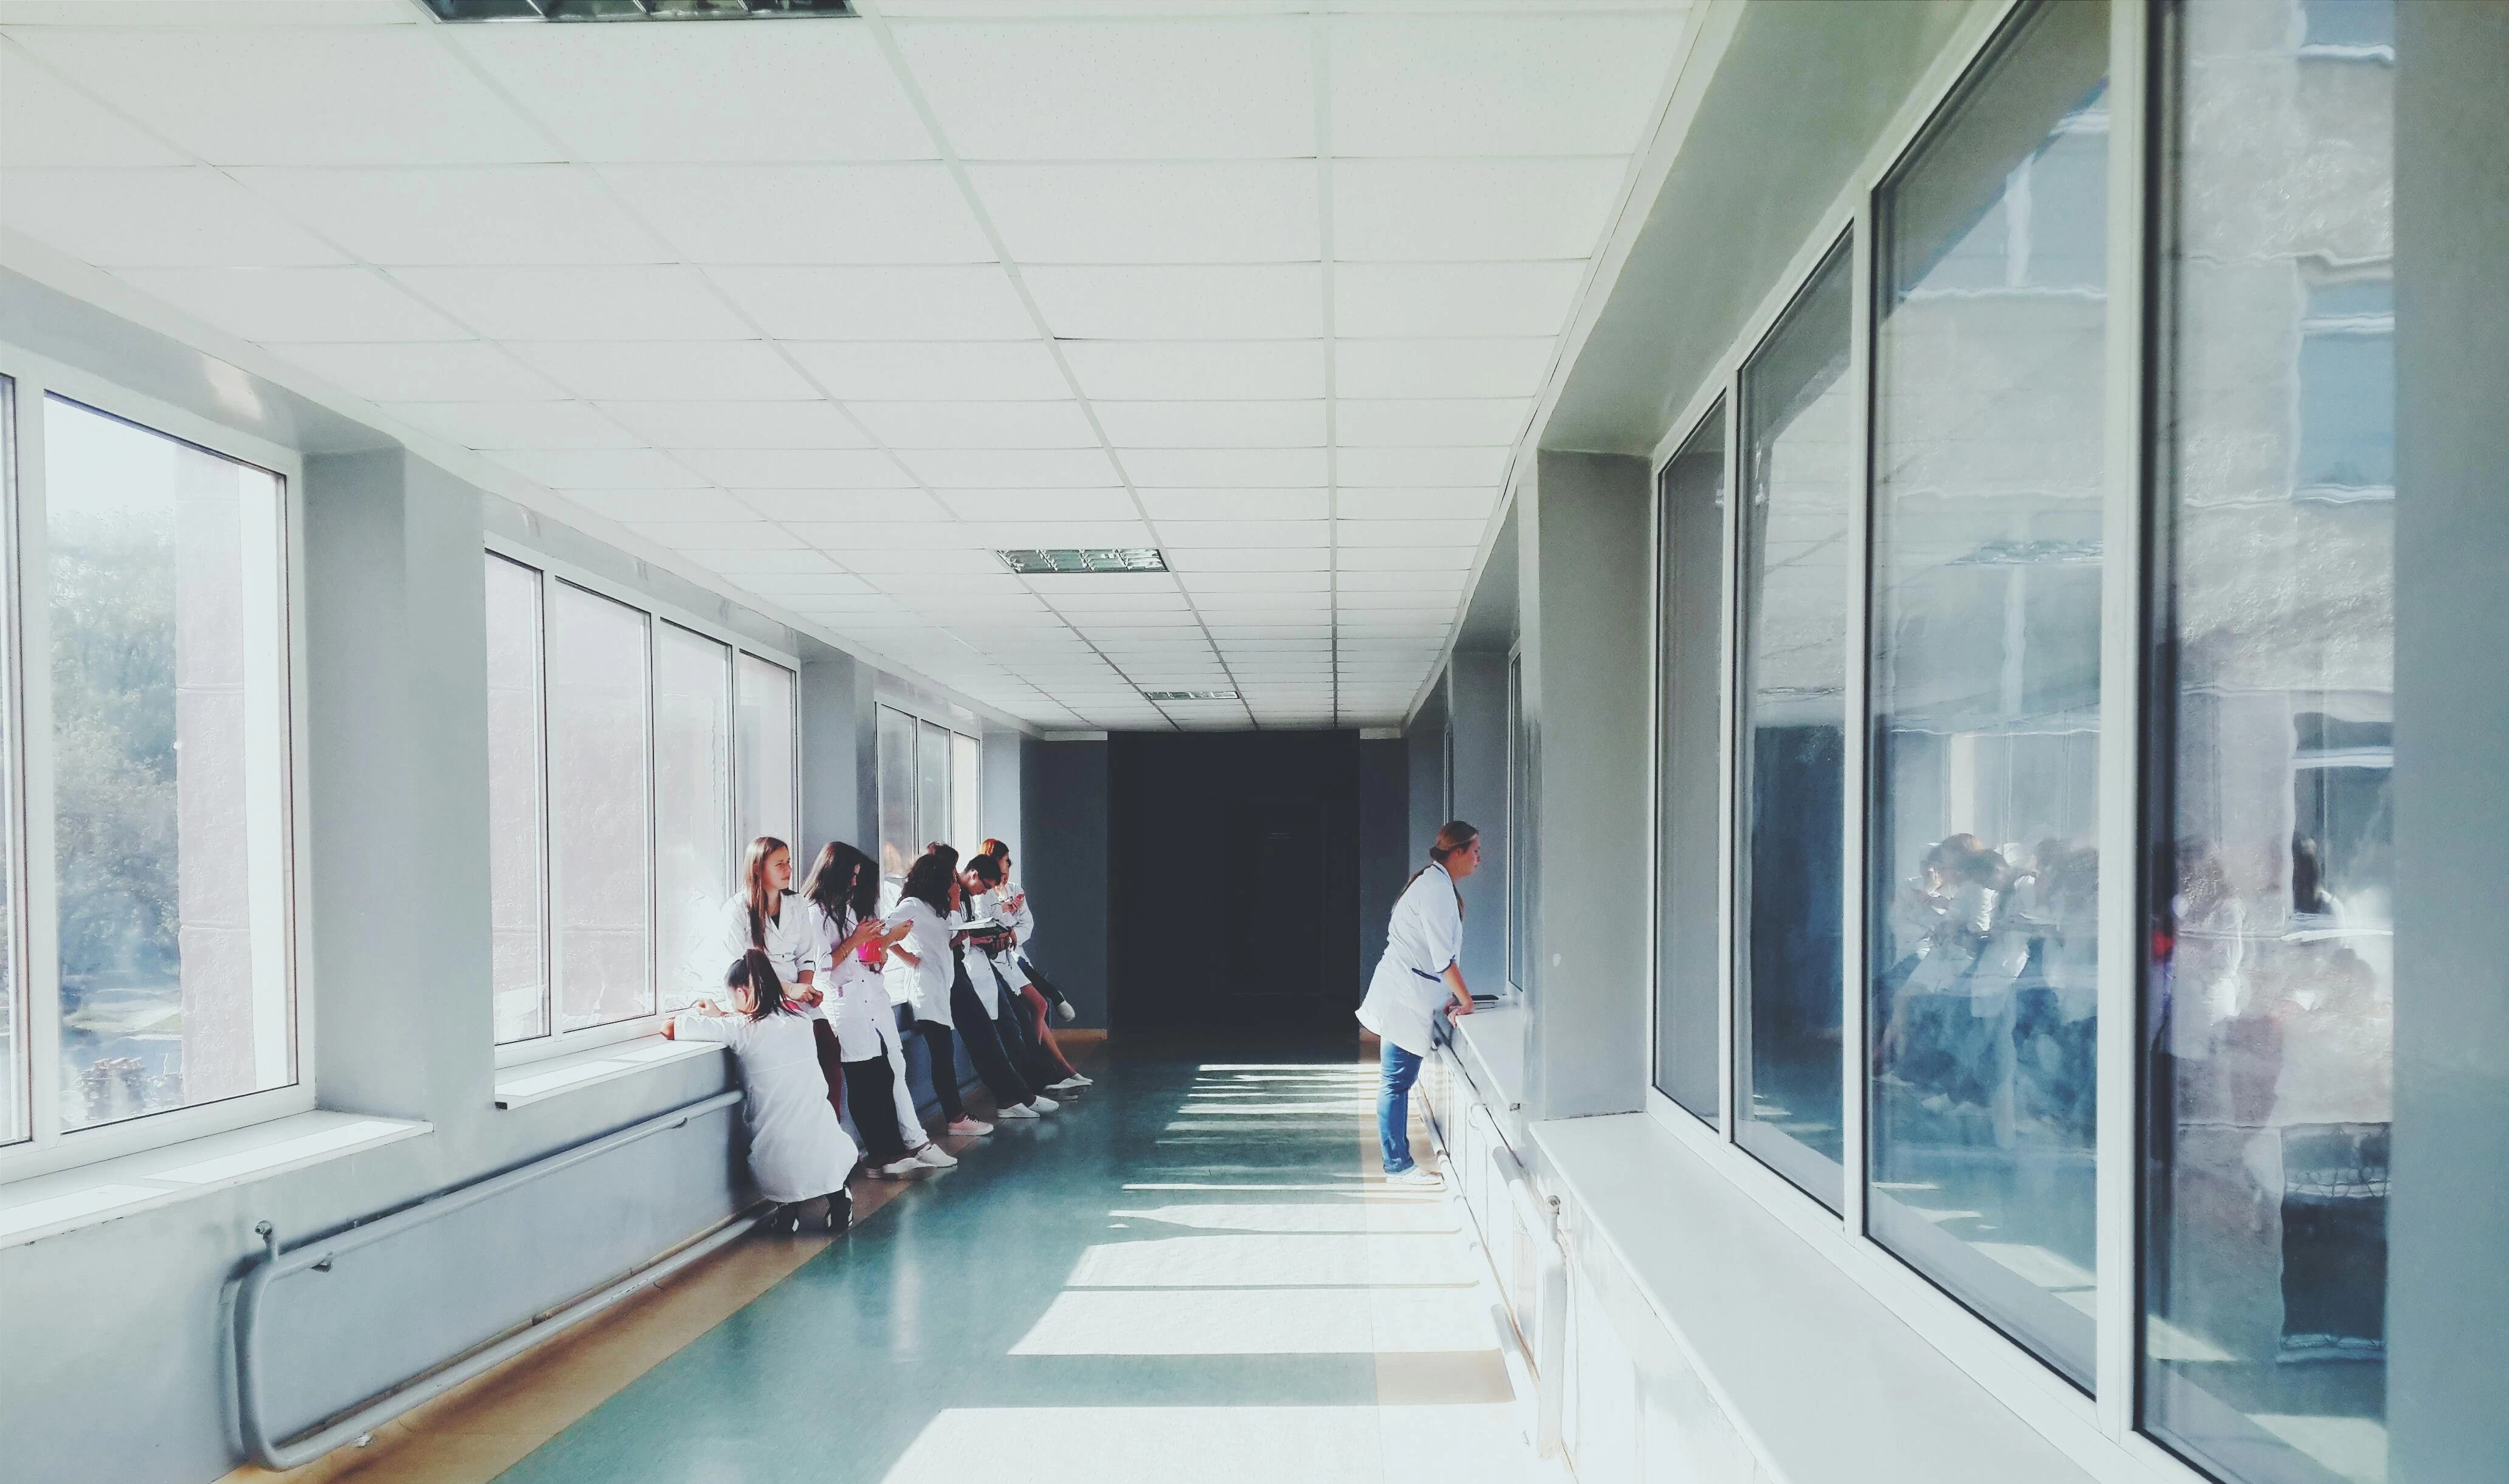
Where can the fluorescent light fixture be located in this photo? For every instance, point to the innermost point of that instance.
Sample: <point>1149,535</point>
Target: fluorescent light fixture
<point>1188,695</point>
<point>632,10</point>
<point>1034,561</point>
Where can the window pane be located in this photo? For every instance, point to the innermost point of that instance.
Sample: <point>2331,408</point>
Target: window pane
<point>1520,830</point>
<point>932,787</point>
<point>171,782</point>
<point>2271,996</point>
<point>1989,354</point>
<point>1797,475</point>
<point>600,812</point>
<point>517,870</point>
<point>766,755</point>
<point>693,859</point>
<point>1689,638</point>
<point>17,1069</point>
<point>899,845</point>
<point>967,772</point>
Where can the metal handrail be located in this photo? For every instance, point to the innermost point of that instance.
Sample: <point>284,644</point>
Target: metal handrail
<point>317,1256</point>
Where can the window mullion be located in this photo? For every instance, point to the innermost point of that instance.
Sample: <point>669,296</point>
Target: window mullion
<point>553,908</point>
<point>37,894</point>
<point>1857,731</point>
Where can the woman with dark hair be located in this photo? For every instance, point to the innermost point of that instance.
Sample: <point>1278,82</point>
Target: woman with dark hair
<point>1023,1018</point>
<point>797,1152</point>
<point>848,940</point>
<point>923,971</point>
<point>1417,977</point>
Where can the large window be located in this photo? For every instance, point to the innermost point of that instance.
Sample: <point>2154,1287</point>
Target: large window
<point>1989,347</point>
<point>1689,638</point>
<point>2271,996</point>
<point>169,770</point>
<point>930,788</point>
<point>1520,867</point>
<point>1798,468</point>
<point>630,757</point>
<point>17,1069</point>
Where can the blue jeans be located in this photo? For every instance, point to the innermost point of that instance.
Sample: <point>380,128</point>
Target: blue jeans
<point>1398,1069</point>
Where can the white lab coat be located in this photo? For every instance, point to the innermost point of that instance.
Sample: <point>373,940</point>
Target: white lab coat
<point>993,905</point>
<point>798,1150</point>
<point>858,1006</point>
<point>925,985</point>
<point>989,989</point>
<point>1421,941</point>
<point>788,940</point>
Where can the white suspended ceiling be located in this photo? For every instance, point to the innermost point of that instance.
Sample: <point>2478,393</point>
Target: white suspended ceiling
<point>835,307</point>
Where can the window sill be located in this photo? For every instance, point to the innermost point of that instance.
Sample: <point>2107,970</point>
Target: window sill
<point>1490,1042</point>
<point>519,1087</point>
<point>1805,1360</point>
<point>91,1195</point>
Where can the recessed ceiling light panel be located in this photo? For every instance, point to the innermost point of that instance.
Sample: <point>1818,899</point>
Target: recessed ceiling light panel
<point>1189,695</point>
<point>1034,562</point>
<point>632,10</point>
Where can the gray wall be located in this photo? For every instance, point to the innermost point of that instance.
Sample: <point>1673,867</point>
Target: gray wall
<point>1582,564</point>
<point>2449,1267</point>
<point>1479,691</point>
<point>1425,762</point>
<point>1002,808</point>
<point>840,790</point>
<point>1064,868</point>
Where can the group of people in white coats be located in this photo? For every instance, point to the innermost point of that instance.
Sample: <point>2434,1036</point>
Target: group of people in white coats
<point>823,988</point>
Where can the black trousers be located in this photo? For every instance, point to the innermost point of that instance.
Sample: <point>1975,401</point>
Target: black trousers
<point>1044,986</point>
<point>871,1091</point>
<point>984,1037</point>
<point>942,1054</point>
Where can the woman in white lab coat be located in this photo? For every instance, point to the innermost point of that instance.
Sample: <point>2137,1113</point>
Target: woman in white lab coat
<point>1018,1006</point>
<point>924,907</point>
<point>759,916</point>
<point>1416,979</point>
<point>848,940</point>
<point>798,1151</point>
<point>1006,903</point>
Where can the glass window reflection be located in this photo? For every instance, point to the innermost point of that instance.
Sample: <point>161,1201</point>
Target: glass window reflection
<point>1690,636</point>
<point>1989,354</point>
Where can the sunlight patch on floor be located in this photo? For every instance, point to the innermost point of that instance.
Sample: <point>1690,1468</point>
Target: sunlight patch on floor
<point>1465,1444</point>
<point>1430,1259</point>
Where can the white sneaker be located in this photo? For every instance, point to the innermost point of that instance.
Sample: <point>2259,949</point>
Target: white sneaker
<point>1066,1011</point>
<point>1416,1176</point>
<point>968,1127</point>
<point>1043,1103</point>
<point>934,1157</point>
<point>1066,1085</point>
<point>1079,1081</point>
<point>1021,1111</point>
<point>899,1170</point>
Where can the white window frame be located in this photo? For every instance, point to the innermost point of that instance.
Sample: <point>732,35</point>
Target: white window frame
<point>2099,1431</point>
<point>33,905</point>
<point>924,715</point>
<point>558,1041</point>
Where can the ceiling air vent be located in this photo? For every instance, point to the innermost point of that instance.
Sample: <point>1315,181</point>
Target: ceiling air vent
<point>1047,561</point>
<point>1189,695</point>
<point>632,10</point>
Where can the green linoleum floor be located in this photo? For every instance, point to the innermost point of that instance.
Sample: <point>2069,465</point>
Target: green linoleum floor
<point>1182,1276</point>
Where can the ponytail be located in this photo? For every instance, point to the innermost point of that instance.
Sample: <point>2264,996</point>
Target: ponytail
<point>1452,837</point>
<point>753,973</point>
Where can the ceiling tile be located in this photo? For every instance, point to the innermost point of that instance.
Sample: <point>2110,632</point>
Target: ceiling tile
<point>708,507</point>
<point>682,423</point>
<point>1248,559</point>
<point>978,425</point>
<point>1002,468</point>
<point>174,218</point>
<point>1398,556</point>
<point>1188,506</point>
<point>1547,84</point>
<point>1416,504</point>
<point>652,370</point>
<point>1200,534</point>
<point>728,92</point>
<point>1248,211</point>
<point>452,371</point>
<point>1182,301</point>
<point>1448,581</point>
<point>880,532</point>
<point>1226,370</point>
<point>319,96</point>
<point>1435,368</point>
<point>1394,300</point>
<point>1472,211</point>
<point>1416,467</point>
<point>515,425</point>
<point>1204,584</point>
<point>579,302</point>
<point>1052,584</point>
<point>1231,468</point>
<point>1457,422</point>
<point>798,214</point>
<point>868,371</point>
<point>600,469</point>
<point>1012,534</point>
<point>795,468</point>
<point>484,214</point>
<point>1041,504</point>
<point>957,301</point>
<point>770,558</point>
<point>844,506</point>
<point>1212,424</point>
<point>47,121</point>
<point>727,544</point>
<point>1183,90</point>
<point>333,304</point>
